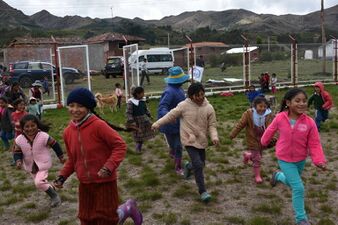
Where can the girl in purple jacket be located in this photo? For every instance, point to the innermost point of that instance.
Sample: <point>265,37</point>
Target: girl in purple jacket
<point>298,138</point>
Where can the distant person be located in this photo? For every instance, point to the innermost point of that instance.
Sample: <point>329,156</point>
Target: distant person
<point>298,138</point>
<point>273,83</point>
<point>144,72</point>
<point>119,94</point>
<point>6,126</point>
<point>322,102</point>
<point>197,122</point>
<point>32,151</point>
<point>255,120</point>
<point>200,61</point>
<point>45,85</point>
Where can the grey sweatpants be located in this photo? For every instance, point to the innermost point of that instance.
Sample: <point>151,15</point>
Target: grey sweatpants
<point>197,157</point>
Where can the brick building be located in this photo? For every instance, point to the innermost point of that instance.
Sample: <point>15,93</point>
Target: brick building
<point>207,49</point>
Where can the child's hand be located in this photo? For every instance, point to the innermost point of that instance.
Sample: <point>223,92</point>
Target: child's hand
<point>18,164</point>
<point>155,126</point>
<point>322,167</point>
<point>104,172</point>
<point>215,142</point>
<point>62,160</point>
<point>58,182</point>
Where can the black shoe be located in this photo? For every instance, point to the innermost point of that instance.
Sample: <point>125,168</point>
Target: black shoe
<point>274,180</point>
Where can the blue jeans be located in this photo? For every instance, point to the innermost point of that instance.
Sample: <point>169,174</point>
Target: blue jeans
<point>5,137</point>
<point>291,176</point>
<point>174,142</point>
<point>321,116</point>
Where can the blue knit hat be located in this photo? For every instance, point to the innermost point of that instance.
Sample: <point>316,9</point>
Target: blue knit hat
<point>82,96</point>
<point>176,76</point>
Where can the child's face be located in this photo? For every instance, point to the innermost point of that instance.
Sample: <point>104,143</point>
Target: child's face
<point>3,104</point>
<point>251,89</point>
<point>261,108</point>
<point>298,104</point>
<point>33,102</point>
<point>21,107</point>
<point>317,89</point>
<point>140,95</point>
<point>198,98</point>
<point>77,111</point>
<point>30,128</point>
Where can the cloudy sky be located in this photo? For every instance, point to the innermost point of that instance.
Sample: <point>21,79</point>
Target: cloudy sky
<point>157,9</point>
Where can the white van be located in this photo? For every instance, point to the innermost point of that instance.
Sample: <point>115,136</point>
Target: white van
<point>159,60</point>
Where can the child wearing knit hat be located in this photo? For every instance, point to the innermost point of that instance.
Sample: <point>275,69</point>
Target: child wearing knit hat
<point>95,151</point>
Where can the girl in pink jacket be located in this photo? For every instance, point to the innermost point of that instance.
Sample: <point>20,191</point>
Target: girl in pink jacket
<point>298,138</point>
<point>32,151</point>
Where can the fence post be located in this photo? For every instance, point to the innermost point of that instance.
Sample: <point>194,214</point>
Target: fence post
<point>294,62</point>
<point>246,62</point>
<point>335,48</point>
<point>191,59</point>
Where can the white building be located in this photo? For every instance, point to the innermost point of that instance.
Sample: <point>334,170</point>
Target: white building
<point>330,45</point>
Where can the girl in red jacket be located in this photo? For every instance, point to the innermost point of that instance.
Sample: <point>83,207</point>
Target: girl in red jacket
<point>94,151</point>
<point>298,138</point>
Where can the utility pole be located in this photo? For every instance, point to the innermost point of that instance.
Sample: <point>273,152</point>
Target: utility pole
<point>168,40</point>
<point>323,36</point>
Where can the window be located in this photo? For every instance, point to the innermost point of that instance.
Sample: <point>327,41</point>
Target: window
<point>20,66</point>
<point>121,44</point>
<point>34,66</point>
<point>45,66</point>
<point>159,58</point>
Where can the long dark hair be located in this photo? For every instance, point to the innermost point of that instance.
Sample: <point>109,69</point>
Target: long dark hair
<point>42,126</point>
<point>289,95</point>
<point>115,127</point>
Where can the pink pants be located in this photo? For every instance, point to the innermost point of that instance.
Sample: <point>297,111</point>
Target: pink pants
<point>256,157</point>
<point>273,89</point>
<point>40,180</point>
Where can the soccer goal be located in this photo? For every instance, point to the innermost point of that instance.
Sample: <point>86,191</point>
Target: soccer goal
<point>73,69</point>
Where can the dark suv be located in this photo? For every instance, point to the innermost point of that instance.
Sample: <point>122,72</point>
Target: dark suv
<point>27,72</point>
<point>114,66</point>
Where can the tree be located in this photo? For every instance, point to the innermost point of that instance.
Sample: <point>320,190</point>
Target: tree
<point>323,36</point>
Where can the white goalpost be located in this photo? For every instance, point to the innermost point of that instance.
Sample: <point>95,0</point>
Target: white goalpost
<point>62,56</point>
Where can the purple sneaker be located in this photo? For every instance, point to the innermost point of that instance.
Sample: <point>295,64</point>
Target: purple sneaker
<point>304,222</point>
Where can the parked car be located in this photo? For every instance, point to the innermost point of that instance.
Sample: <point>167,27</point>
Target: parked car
<point>114,66</point>
<point>27,72</point>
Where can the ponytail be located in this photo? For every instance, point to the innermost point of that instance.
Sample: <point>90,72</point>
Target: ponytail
<point>115,127</point>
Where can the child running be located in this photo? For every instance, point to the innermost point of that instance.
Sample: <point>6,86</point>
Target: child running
<point>32,151</point>
<point>322,101</point>
<point>197,119</point>
<point>255,120</point>
<point>139,116</point>
<point>298,138</point>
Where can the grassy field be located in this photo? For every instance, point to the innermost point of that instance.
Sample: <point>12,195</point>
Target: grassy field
<point>166,198</point>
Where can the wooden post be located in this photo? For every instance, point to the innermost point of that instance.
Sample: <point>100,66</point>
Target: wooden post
<point>246,62</point>
<point>335,48</point>
<point>294,61</point>
<point>191,58</point>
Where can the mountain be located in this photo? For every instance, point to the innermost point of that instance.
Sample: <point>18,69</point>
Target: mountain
<point>235,19</point>
<point>11,18</point>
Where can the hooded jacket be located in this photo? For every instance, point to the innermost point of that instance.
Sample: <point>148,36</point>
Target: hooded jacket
<point>91,146</point>
<point>322,100</point>
<point>196,122</point>
<point>252,141</point>
<point>295,144</point>
<point>172,95</point>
